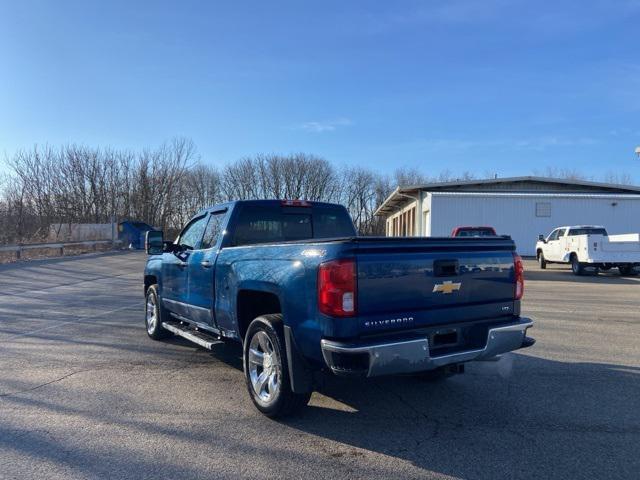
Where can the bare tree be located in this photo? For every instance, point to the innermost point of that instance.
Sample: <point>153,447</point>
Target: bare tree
<point>618,178</point>
<point>561,173</point>
<point>363,191</point>
<point>77,184</point>
<point>298,176</point>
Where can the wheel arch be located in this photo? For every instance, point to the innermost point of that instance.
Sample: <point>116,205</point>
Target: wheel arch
<point>252,303</point>
<point>149,279</point>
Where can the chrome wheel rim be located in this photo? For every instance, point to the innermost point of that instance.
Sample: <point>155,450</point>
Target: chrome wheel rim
<point>265,369</point>
<point>151,315</point>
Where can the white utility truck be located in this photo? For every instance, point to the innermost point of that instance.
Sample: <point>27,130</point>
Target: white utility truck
<point>590,248</point>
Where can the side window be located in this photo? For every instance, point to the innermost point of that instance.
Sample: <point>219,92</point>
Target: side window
<point>192,234</point>
<point>213,230</point>
<point>553,235</point>
<point>562,232</point>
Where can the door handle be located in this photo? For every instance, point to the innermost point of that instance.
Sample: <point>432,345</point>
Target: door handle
<point>182,264</point>
<point>205,263</point>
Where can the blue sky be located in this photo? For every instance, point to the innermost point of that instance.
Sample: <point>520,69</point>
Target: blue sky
<point>503,86</point>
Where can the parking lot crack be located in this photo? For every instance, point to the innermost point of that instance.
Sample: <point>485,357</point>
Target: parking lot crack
<point>36,387</point>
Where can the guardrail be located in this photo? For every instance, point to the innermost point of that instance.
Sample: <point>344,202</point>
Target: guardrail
<point>18,249</point>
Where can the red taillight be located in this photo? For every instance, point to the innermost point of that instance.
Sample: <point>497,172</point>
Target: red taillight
<point>337,288</point>
<point>519,270</point>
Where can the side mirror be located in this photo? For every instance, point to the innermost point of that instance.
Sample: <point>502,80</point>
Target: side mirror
<point>541,238</point>
<point>154,242</point>
<point>168,246</point>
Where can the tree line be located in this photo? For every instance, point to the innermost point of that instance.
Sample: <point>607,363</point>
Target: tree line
<point>165,186</point>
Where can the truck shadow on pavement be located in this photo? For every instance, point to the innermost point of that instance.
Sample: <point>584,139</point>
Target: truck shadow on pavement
<point>506,419</point>
<point>520,417</point>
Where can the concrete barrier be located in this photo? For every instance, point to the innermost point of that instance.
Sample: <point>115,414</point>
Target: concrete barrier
<point>60,246</point>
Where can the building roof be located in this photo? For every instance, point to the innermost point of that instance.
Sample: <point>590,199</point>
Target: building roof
<point>529,184</point>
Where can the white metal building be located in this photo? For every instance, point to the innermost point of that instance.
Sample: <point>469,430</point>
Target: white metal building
<point>522,207</point>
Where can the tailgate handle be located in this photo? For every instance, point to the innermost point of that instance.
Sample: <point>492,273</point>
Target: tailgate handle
<point>445,268</point>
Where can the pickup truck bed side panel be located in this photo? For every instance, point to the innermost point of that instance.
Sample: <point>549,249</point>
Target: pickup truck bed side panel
<point>288,272</point>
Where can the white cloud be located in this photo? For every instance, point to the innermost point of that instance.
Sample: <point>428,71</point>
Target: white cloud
<point>325,126</point>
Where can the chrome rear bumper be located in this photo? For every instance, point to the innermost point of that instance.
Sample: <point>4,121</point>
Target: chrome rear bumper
<point>413,355</point>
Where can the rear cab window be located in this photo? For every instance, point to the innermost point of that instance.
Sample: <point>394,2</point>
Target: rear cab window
<point>587,231</point>
<point>276,223</point>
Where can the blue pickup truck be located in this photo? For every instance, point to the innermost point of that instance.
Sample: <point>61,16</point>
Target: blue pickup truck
<point>294,284</point>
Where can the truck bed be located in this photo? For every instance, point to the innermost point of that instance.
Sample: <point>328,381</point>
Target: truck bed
<point>605,249</point>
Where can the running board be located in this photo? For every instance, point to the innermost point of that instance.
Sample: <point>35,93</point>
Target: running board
<point>195,336</point>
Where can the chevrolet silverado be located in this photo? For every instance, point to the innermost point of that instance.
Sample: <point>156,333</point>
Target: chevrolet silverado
<point>303,293</point>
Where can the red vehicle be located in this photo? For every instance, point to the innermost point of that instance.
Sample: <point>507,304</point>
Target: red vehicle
<point>473,232</point>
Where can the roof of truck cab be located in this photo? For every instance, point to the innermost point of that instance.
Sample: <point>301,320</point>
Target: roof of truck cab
<point>221,206</point>
<point>474,227</point>
<point>582,226</point>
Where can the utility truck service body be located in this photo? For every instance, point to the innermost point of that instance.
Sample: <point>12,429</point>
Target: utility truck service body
<point>590,248</point>
<point>304,294</point>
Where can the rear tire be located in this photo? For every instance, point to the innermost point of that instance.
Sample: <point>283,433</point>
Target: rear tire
<point>627,271</point>
<point>542,262</point>
<point>154,314</point>
<point>265,369</point>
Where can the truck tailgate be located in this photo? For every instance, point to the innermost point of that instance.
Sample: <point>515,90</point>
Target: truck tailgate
<point>419,282</point>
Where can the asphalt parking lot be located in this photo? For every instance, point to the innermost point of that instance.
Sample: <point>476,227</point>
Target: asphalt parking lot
<point>84,393</point>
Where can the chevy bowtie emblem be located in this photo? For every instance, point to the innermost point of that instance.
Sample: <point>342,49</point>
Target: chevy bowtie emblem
<point>446,287</point>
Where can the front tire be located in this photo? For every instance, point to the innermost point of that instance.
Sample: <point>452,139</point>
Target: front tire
<point>154,314</point>
<point>265,369</point>
<point>542,262</point>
